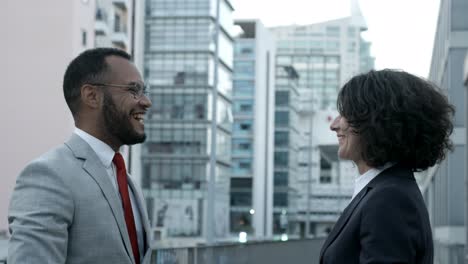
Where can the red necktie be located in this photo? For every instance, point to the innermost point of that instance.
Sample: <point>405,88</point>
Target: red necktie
<point>127,205</point>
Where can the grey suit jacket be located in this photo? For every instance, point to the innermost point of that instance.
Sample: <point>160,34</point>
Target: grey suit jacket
<point>64,209</point>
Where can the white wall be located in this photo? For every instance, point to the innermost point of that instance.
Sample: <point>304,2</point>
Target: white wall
<point>264,132</point>
<point>39,40</point>
<point>138,56</point>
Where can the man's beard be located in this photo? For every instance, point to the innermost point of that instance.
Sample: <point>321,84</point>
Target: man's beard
<point>118,124</point>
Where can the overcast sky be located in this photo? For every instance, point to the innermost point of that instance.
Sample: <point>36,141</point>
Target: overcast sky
<point>401,31</point>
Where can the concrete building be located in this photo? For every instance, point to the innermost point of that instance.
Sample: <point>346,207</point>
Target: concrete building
<point>325,55</point>
<point>286,151</point>
<point>186,159</point>
<point>444,186</point>
<point>325,183</point>
<point>251,186</point>
<point>465,78</point>
<point>113,24</point>
<point>40,38</point>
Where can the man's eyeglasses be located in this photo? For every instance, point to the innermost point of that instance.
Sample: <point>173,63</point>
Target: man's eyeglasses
<point>136,90</point>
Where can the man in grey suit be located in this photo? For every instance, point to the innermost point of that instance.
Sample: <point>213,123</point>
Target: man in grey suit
<point>76,203</point>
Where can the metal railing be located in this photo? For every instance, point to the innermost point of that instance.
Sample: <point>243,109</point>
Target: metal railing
<point>272,252</point>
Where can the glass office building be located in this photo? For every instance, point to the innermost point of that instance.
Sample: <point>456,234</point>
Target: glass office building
<point>188,65</point>
<point>325,55</point>
<point>286,150</point>
<point>252,136</point>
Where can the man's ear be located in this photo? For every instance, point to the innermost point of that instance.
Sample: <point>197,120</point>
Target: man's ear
<point>90,96</point>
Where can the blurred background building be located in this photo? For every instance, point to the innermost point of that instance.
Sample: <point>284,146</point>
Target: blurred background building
<point>444,186</point>
<point>238,136</point>
<point>114,24</point>
<point>465,78</point>
<point>32,70</point>
<point>324,55</point>
<point>188,63</point>
<point>251,183</point>
<point>286,150</point>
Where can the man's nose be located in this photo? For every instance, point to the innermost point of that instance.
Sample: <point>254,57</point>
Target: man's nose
<point>146,101</point>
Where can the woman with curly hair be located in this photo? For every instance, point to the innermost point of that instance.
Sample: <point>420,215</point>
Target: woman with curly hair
<point>391,124</point>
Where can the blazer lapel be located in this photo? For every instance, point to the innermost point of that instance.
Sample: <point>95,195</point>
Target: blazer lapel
<point>343,220</point>
<point>142,209</point>
<point>96,170</point>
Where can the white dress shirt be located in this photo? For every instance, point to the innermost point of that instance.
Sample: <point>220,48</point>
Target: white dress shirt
<point>106,155</point>
<point>361,181</point>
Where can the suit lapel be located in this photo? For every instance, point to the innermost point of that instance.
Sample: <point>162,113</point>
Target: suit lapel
<point>142,209</point>
<point>96,170</point>
<point>385,175</point>
<point>343,220</point>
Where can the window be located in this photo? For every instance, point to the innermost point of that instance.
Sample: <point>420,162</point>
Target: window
<point>84,39</point>
<point>281,159</point>
<point>241,198</point>
<point>316,59</point>
<point>117,23</point>
<point>243,127</point>
<point>284,44</point>
<point>244,69</point>
<point>241,183</point>
<point>241,222</point>
<point>333,45</point>
<point>281,179</point>
<point>333,31</point>
<point>351,46</point>
<point>242,146</point>
<point>332,59</point>
<point>325,179</point>
<point>281,118</point>
<point>243,106</point>
<point>245,165</point>
<point>282,60</point>
<point>178,106</point>
<point>100,14</point>
<point>242,166</point>
<point>173,175</point>
<point>280,199</point>
<point>246,108</point>
<point>324,164</point>
<point>244,49</point>
<point>243,87</point>
<point>281,139</point>
<point>282,98</point>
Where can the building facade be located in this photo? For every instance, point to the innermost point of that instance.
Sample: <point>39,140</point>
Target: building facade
<point>251,183</point>
<point>33,68</point>
<point>325,56</point>
<point>286,150</point>
<point>186,159</point>
<point>465,78</point>
<point>444,186</point>
<point>113,25</point>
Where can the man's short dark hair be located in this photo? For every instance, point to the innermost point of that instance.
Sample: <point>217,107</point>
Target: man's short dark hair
<point>88,67</point>
<point>398,117</point>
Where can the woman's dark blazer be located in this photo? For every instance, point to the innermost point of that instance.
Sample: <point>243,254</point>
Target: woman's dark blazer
<point>387,222</point>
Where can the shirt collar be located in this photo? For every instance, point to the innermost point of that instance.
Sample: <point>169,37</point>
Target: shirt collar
<point>103,151</point>
<point>360,181</point>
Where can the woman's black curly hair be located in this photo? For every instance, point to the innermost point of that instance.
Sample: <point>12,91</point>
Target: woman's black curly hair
<point>398,117</point>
